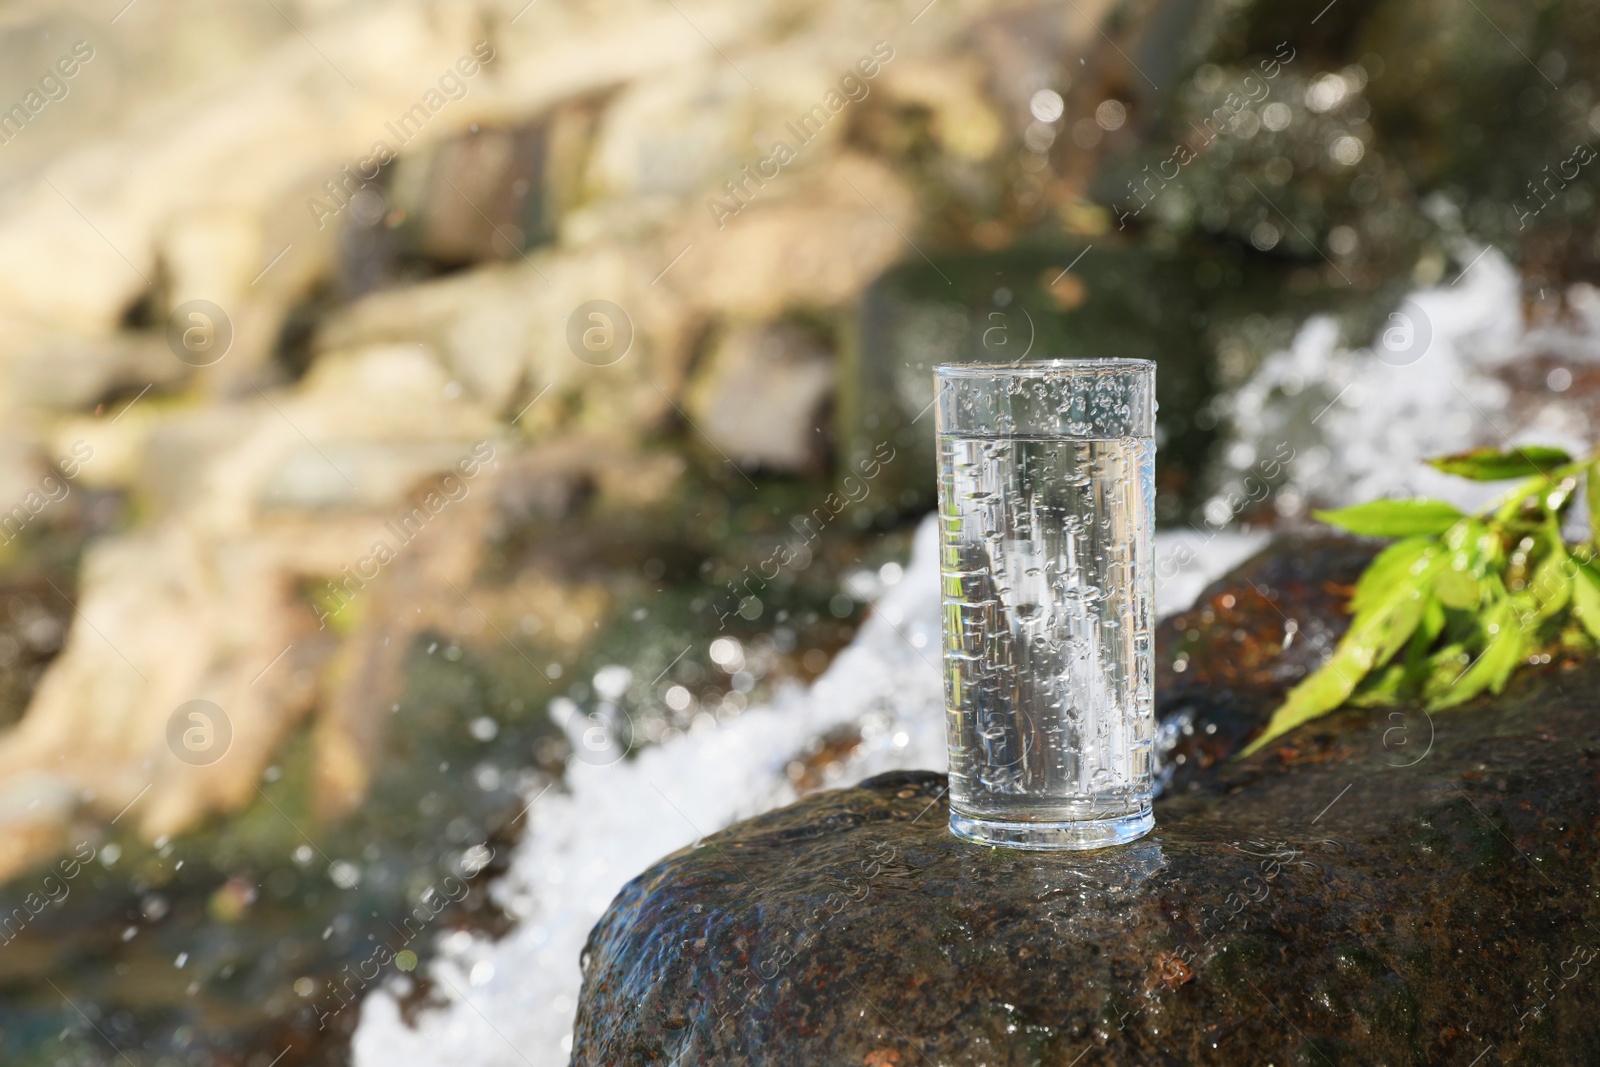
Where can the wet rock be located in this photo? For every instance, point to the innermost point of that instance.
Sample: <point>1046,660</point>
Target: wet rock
<point>309,194</point>
<point>73,373</point>
<point>815,241</point>
<point>32,626</point>
<point>508,333</point>
<point>1380,887</point>
<point>760,397</point>
<point>1225,662</point>
<point>257,513</point>
<point>679,135</point>
<point>479,197</point>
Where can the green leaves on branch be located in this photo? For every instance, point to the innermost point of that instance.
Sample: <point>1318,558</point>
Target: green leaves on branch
<point>1592,491</point>
<point>1490,465</point>
<point>1458,602</point>
<point>1586,601</point>
<point>1394,518</point>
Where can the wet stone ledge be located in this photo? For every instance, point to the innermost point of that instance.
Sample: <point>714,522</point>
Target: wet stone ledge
<point>1381,887</point>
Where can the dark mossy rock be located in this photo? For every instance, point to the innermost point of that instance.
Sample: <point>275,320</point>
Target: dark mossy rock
<point>1223,665</point>
<point>1381,887</point>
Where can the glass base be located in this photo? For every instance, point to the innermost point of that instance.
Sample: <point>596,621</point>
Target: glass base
<point>1053,836</point>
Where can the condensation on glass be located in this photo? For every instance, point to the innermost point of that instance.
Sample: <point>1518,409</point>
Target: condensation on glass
<point>1046,509</point>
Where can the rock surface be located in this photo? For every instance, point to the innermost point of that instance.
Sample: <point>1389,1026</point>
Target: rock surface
<point>1382,887</point>
<point>760,398</point>
<point>541,264</point>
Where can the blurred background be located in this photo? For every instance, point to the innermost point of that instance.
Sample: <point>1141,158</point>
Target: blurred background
<point>444,443</point>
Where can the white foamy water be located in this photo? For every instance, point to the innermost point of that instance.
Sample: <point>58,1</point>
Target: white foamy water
<point>1433,381</point>
<point>587,837</point>
<point>1357,425</point>
<point>603,825</point>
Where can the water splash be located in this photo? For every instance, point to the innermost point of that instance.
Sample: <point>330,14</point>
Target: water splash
<point>1355,421</point>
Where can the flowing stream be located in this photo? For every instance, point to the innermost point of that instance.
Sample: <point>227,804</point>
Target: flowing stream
<point>1345,424</point>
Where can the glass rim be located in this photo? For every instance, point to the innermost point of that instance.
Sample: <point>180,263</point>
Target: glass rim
<point>1037,368</point>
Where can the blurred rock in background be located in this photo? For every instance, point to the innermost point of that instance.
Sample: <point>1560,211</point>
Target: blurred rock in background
<point>271,273</point>
<point>394,216</point>
<point>760,396</point>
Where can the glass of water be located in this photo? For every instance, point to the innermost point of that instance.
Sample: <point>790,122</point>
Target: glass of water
<point>1046,508</point>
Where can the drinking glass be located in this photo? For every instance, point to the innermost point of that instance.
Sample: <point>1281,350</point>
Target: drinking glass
<point>1046,506</point>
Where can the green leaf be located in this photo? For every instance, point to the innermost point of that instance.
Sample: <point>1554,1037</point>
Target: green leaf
<point>1394,518</point>
<point>1390,633</point>
<point>1322,691</point>
<point>1393,564</point>
<point>1419,660</point>
<point>1444,667</point>
<point>1553,581</point>
<point>1438,598</point>
<point>1586,600</point>
<point>1493,465</point>
<point>1428,631</point>
<point>1592,491</point>
<point>1379,690</point>
<point>1500,656</point>
<point>1376,634</point>
<point>1457,588</point>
